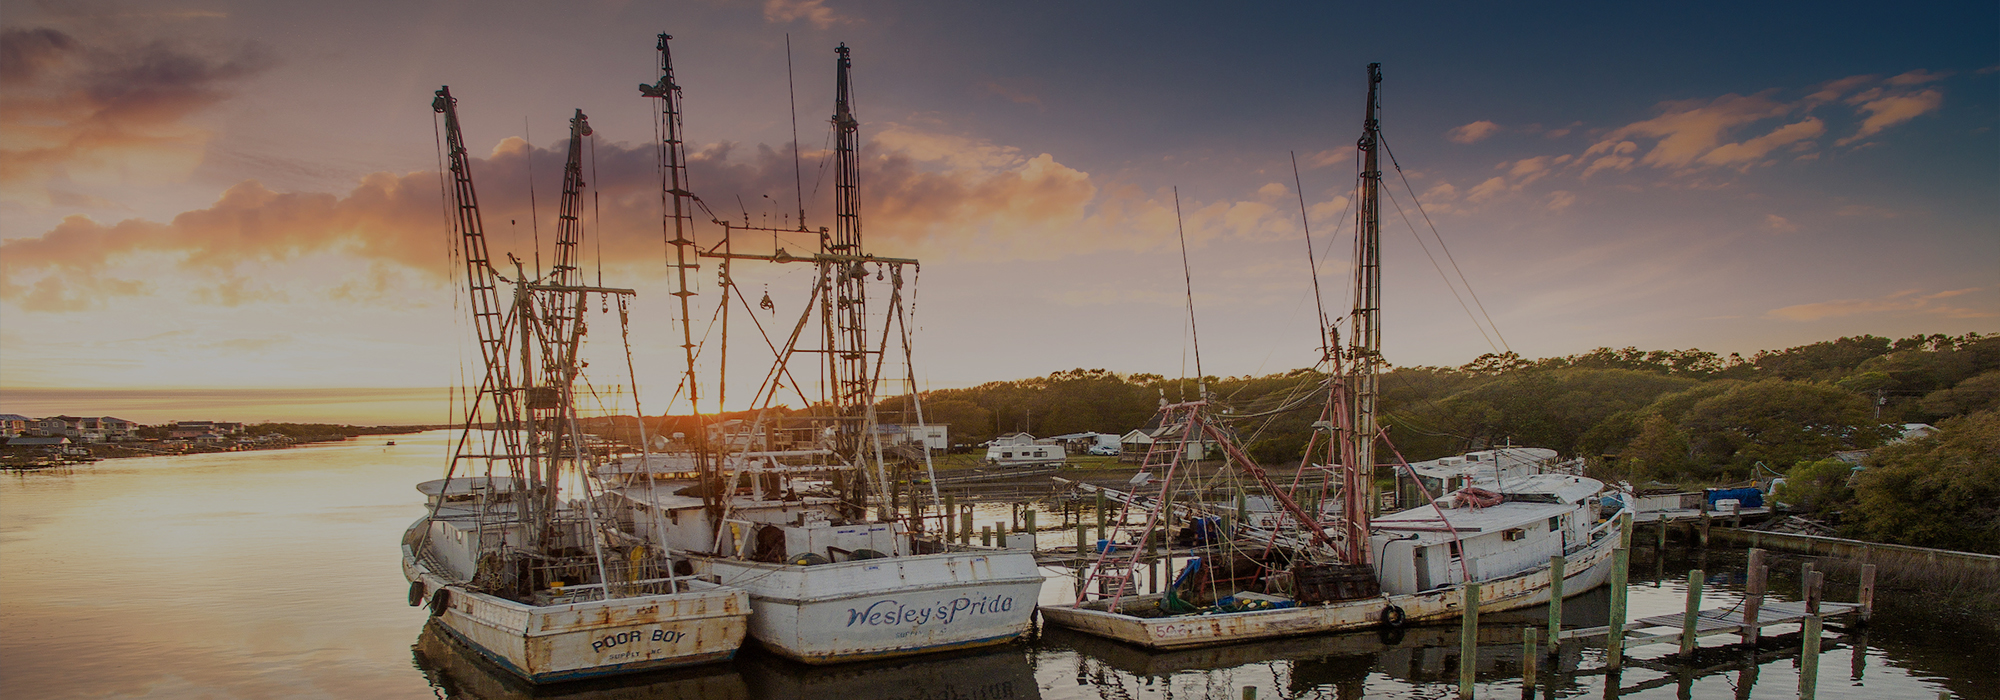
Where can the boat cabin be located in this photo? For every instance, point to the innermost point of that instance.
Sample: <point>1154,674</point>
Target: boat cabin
<point>1457,538</point>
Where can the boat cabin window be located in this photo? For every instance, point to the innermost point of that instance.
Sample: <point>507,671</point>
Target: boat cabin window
<point>1513,534</point>
<point>1454,548</point>
<point>1555,523</point>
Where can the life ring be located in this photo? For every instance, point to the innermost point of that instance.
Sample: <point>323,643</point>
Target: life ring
<point>440,602</point>
<point>416,593</point>
<point>1392,616</point>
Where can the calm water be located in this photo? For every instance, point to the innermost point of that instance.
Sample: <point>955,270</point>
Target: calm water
<point>275,575</point>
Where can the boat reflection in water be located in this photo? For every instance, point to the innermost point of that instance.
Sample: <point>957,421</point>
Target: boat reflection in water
<point>1004,673</point>
<point>459,673</point>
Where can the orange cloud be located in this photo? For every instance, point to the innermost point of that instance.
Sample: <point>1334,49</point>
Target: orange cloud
<point>1689,129</point>
<point>1890,110</point>
<point>72,109</point>
<point>1473,133</point>
<point>921,194</point>
<point>1908,301</point>
<point>814,11</point>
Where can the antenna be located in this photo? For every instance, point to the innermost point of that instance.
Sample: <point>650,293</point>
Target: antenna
<point>798,178</point>
<point>1187,276</point>
<point>1312,261</point>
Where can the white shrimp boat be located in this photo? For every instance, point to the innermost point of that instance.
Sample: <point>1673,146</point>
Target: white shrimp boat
<point>829,582</point>
<point>1291,571</point>
<point>1420,564</point>
<point>538,583</point>
<point>566,631</point>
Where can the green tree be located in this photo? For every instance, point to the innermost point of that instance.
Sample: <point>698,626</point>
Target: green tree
<point>1980,393</point>
<point>1819,487</point>
<point>1660,451</point>
<point>1777,422</point>
<point>1941,490</point>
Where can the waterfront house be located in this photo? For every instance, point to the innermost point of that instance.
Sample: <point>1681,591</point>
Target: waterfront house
<point>14,425</point>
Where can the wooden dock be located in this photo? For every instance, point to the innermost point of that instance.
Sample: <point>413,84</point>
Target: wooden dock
<point>1712,622</point>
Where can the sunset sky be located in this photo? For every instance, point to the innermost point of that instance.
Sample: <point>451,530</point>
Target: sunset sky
<point>231,210</point>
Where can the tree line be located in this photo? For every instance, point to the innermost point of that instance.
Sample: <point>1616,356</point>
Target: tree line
<point>1679,416</point>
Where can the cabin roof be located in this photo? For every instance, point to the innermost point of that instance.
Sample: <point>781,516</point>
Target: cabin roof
<point>1470,522</point>
<point>465,485</point>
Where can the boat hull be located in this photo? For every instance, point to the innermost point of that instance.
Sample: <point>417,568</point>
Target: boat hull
<point>554,643</point>
<point>886,607</point>
<point>1588,568</point>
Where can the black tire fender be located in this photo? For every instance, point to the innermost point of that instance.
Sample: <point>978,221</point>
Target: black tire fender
<point>440,602</point>
<point>1392,616</point>
<point>416,593</point>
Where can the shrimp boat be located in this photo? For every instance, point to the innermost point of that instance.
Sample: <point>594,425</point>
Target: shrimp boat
<point>1315,565</point>
<point>542,585</point>
<point>778,503</point>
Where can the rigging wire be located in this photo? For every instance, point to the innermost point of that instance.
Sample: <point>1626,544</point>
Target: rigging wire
<point>1187,277</point>
<point>1440,239</point>
<point>1305,222</point>
<point>792,91</point>
<point>1440,271</point>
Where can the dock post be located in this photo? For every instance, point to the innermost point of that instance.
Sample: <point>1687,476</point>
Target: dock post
<point>1705,520</point>
<point>1100,514</point>
<point>986,535</point>
<point>965,523</point>
<point>1556,564</point>
<point>1013,518</point>
<point>1809,658</point>
<point>1614,635</point>
<point>1468,641</point>
<point>950,518</point>
<point>1625,530</point>
<point>1529,655</point>
<point>1249,692</point>
<point>1662,546</point>
<point>1812,593</point>
<point>1691,618</point>
<point>1028,519</point>
<point>1753,597</point>
<point>1082,539</point>
<point>1867,594</point>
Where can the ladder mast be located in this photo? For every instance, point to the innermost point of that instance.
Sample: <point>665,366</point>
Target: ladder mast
<point>488,317</point>
<point>678,221</point>
<point>844,307</point>
<point>1367,337</point>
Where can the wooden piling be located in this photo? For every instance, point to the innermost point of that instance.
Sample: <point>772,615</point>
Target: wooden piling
<point>1753,596</point>
<point>1705,520</point>
<point>1556,564</point>
<point>1529,655</point>
<point>1083,548</point>
<point>1661,546</point>
<point>986,535</point>
<point>950,517</point>
<point>1249,692</point>
<point>1867,593</point>
<point>965,523</point>
<point>1809,658</point>
<point>1625,530</point>
<point>1100,514</point>
<point>1814,580</point>
<point>1468,641</point>
<point>1028,519</point>
<point>1614,638</point>
<point>1692,615</point>
<point>1013,518</point>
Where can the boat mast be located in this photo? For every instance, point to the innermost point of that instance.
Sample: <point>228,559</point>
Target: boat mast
<point>678,221</point>
<point>1366,340</point>
<point>504,441</point>
<point>844,308</point>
